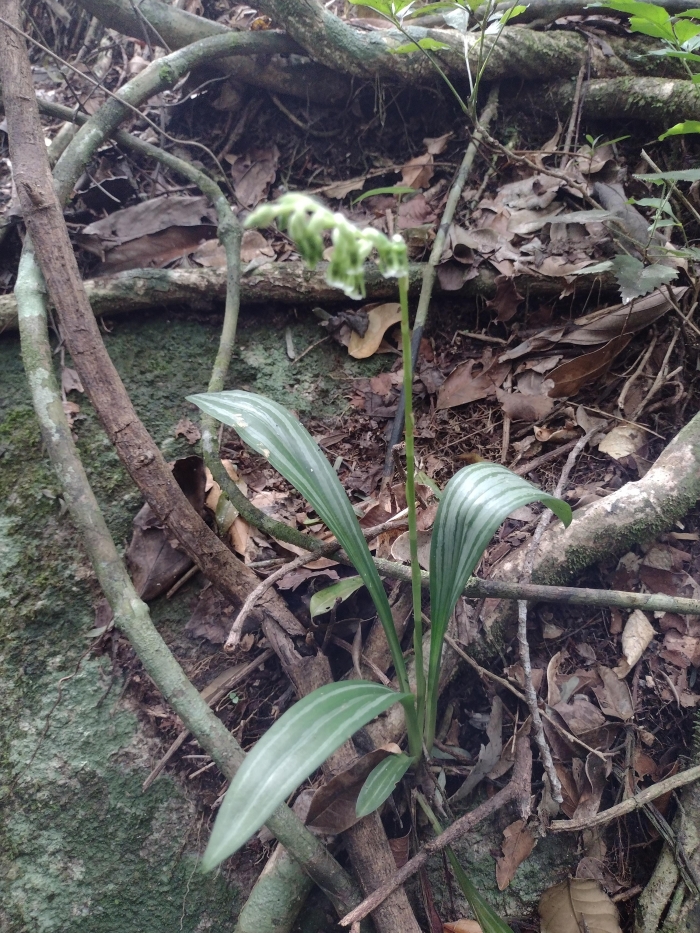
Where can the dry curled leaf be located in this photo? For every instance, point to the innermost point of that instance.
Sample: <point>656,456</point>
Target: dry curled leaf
<point>381,318</point>
<point>462,387</point>
<point>518,843</point>
<point>636,637</point>
<point>565,906</point>
<point>462,926</point>
<point>574,374</point>
<point>623,441</point>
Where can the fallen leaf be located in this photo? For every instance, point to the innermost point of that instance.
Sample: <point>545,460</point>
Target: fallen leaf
<point>381,318</point>
<point>255,246</point>
<point>593,780</point>
<point>521,407</point>
<point>332,808</point>
<point>518,843</point>
<point>565,906</point>
<point>153,556</point>
<point>614,696</point>
<point>636,637</point>
<point>462,387</point>
<point>574,374</point>
<point>253,173</point>
<point>436,144</point>
<point>462,926</point>
<point>401,549</point>
<point>70,381</point>
<point>400,849</point>
<point>622,441</point>
<point>418,172</point>
<point>506,300</point>
<point>341,189</point>
<point>213,617</point>
<point>489,755</point>
<point>414,212</point>
<point>189,430</point>
<point>602,325</point>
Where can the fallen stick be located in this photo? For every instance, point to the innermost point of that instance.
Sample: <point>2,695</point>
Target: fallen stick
<point>517,789</point>
<point>627,806</point>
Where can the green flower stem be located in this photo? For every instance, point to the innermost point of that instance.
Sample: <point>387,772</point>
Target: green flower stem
<point>411,503</point>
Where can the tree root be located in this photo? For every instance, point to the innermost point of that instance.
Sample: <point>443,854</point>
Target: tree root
<point>175,28</point>
<point>45,223</point>
<point>608,528</point>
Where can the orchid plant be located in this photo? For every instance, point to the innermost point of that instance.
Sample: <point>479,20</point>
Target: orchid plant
<point>472,506</point>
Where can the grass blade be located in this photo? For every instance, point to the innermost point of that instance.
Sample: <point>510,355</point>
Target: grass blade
<point>287,754</point>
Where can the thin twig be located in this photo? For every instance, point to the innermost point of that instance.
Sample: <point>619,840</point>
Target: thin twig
<point>638,370</point>
<point>484,672</point>
<point>326,550</point>
<point>530,694</point>
<point>516,789</point>
<point>658,381</point>
<point>221,691</point>
<point>431,266</point>
<point>637,802</point>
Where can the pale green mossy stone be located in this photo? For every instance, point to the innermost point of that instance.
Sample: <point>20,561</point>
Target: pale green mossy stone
<point>81,848</point>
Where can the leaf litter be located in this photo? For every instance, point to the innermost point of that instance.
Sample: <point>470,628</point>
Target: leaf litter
<point>531,226</point>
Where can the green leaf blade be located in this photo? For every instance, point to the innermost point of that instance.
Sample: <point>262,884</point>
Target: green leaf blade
<point>488,919</point>
<point>474,503</point>
<point>276,434</point>
<point>380,783</point>
<point>287,754</point>
<point>681,129</point>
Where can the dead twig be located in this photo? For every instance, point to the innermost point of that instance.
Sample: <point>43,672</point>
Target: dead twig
<point>517,789</point>
<point>326,550</point>
<point>524,647</point>
<point>637,802</point>
<point>212,699</point>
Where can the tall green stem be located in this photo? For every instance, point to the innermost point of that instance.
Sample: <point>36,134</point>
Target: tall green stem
<point>411,502</point>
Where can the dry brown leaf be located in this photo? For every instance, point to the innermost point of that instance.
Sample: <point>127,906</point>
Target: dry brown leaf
<point>414,212</point>
<point>153,556</point>
<point>636,638</point>
<point>614,696</point>
<point>574,374</point>
<point>564,906</point>
<point>593,779</point>
<point>506,300</point>
<point>149,217</point>
<point>70,381</point>
<point>518,843</point>
<point>188,429</point>
<point>255,246</point>
<point>253,173</point>
<point>462,387</point>
<point>462,926</point>
<point>381,318</point>
<point>332,808</point>
<point>623,441</point>
<point>602,325</point>
<point>401,548</point>
<point>417,173</point>
<point>340,189</point>
<point>521,407</point>
<point>489,755</point>
<point>436,144</point>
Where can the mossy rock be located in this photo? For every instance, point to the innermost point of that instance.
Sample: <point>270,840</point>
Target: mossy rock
<point>82,848</point>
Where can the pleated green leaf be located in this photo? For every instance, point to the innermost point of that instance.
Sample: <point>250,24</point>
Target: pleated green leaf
<point>380,783</point>
<point>488,919</point>
<point>287,754</point>
<point>276,434</point>
<point>475,502</point>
